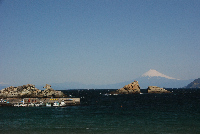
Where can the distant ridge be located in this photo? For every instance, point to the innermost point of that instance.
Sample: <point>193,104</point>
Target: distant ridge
<point>194,84</point>
<point>150,78</point>
<point>154,73</point>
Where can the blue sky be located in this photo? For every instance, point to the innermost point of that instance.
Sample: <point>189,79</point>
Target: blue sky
<point>97,41</point>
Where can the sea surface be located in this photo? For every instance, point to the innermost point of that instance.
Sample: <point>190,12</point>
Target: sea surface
<point>175,113</point>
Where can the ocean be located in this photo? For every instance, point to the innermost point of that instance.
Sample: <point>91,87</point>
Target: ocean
<point>100,113</point>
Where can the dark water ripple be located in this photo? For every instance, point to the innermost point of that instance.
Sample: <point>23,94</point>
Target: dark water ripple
<point>175,113</point>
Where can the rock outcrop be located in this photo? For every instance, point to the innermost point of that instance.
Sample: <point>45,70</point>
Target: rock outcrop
<point>132,88</point>
<point>29,90</point>
<point>155,89</point>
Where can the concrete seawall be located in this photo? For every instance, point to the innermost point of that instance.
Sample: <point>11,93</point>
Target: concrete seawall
<point>12,101</point>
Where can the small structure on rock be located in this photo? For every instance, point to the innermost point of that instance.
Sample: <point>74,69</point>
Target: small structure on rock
<point>155,89</point>
<point>132,88</point>
<point>49,92</point>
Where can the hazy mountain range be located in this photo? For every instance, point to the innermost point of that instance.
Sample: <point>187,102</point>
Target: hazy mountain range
<point>194,84</point>
<point>150,78</point>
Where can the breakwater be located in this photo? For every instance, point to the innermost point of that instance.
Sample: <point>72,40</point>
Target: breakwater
<point>27,101</point>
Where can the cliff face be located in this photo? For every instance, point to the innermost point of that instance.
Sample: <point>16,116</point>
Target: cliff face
<point>132,88</point>
<point>29,90</point>
<point>194,84</point>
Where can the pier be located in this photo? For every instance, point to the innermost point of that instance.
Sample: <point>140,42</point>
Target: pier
<point>13,101</point>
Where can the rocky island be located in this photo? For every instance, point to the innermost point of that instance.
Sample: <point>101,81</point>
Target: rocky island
<point>155,89</point>
<point>134,88</point>
<point>30,90</point>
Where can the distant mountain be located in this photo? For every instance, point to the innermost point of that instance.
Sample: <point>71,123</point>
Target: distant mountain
<point>194,84</point>
<point>2,87</point>
<point>154,73</point>
<point>77,85</point>
<point>150,78</point>
<point>70,85</point>
<point>161,82</point>
<point>155,78</point>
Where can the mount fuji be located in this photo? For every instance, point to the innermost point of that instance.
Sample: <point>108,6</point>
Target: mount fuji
<point>154,73</point>
<point>155,78</point>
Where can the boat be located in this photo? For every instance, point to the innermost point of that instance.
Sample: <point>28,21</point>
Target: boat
<point>31,105</point>
<point>17,105</point>
<point>40,104</point>
<point>62,104</point>
<point>23,105</point>
<point>37,105</point>
<point>55,104</point>
<point>48,104</point>
<point>20,105</point>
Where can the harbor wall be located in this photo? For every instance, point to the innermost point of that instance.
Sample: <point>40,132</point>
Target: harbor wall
<point>12,101</point>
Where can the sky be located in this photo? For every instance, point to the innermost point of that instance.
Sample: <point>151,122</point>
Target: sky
<point>97,41</point>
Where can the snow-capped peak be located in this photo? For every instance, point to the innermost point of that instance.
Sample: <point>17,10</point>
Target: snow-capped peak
<point>153,73</point>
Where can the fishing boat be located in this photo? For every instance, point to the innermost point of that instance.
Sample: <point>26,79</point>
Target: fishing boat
<point>37,105</point>
<point>55,104</point>
<point>31,105</point>
<point>40,104</point>
<point>23,105</point>
<point>17,105</point>
<point>48,104</point>
<point>20,105</point>
<point>62,104</point>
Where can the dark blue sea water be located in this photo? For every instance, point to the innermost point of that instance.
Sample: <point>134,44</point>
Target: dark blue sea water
<point>175,113</point>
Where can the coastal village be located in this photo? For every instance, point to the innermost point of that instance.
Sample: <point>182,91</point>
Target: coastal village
<point>29,95</point>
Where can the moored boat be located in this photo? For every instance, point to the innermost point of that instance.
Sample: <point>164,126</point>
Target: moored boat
<point>56,104</point>
<point>62,104</point>
<point>40,104</point>
<point>37,105</point>
<point>48,104</point>
<point>20,105</point>
<point>31,105</point>
<point>23,105</point>
<point>17,105</point>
